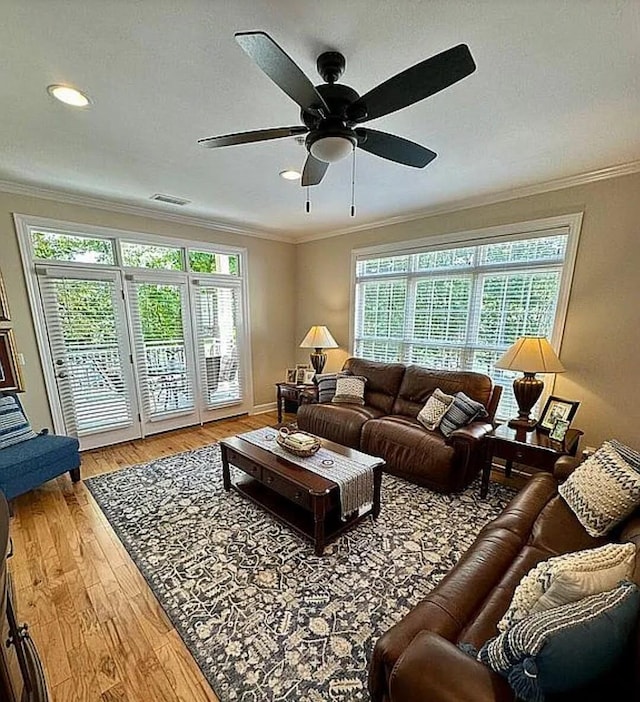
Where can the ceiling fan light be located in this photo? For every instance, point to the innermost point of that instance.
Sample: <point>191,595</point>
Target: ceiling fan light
<point>290,174</point>
<point>331,148</point>
<point>68,95</point>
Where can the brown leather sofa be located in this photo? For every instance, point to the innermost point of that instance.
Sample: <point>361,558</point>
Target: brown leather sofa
<point>386,424</point>
<point>418,659</point>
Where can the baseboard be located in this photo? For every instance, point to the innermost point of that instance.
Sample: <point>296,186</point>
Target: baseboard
<point>261,409</point>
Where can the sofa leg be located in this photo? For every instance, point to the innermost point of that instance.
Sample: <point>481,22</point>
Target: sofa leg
<point>75,475</point>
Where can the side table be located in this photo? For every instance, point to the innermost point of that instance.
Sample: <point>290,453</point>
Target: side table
<point>293,394</point>
<point>533,448</point>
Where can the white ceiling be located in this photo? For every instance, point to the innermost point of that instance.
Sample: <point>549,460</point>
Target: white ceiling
<point>556,93</point>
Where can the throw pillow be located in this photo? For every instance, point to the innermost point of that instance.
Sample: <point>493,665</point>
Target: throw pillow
<point>568,578</point>
<point>566,647</point>
<point>462,411</point>
<point>602,491</point>
<point>432,413</point>
<point>631,456</point>
<point>14,426</point>
<point>349,390</point>
<point>326,386</point>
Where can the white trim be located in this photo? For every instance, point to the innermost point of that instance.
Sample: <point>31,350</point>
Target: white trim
<point>482,200</point>
<point>264,408</point>
<point>66,197</point>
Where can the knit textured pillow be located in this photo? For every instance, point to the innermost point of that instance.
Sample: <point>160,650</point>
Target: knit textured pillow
<point>566,647</point>
<point>432,413</point>
<point>462,411</point>
<point>14,426</point>
<point>349,390</point>
<point>602,491</point>
<point>568,578</point>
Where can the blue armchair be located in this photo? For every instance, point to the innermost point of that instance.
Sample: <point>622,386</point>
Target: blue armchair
<point>27,465</point>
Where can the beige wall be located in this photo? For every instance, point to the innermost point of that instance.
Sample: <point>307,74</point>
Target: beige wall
<point>271,293</point>
<point>601,342</point>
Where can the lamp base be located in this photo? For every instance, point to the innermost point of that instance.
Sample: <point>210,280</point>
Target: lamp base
<point>318,359</point>
<point>523,424</point>
<point>527,391</point>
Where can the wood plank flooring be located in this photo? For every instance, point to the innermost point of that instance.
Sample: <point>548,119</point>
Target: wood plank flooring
<point>101,633</point>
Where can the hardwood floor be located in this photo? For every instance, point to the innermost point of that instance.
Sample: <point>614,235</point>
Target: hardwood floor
<point>101,633</point>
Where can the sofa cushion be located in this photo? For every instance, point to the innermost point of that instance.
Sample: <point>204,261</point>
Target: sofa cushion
<point>568,578</point>
<point>349,390</point>
<point>14,426</point>
<point>339,423</point>
<point>462,411</point>
<point>434,410</point>
<point>565,647</point>
<point>419,383</point>
<point>602,491</point>
<point>383,381</point>
<point>326,384</point>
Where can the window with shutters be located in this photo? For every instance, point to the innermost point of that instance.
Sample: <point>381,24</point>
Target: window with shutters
<point>460,306</point>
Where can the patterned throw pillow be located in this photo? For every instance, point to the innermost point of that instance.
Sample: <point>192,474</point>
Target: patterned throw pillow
<point>631,456</point>
<point>462,411</point>
<point>349,390</point>
<point>568,578</point>
<point>14,426</point>
<point>433,412</point>
<point>602,491</point>
<point>326,386</point>
<point>566,647</point>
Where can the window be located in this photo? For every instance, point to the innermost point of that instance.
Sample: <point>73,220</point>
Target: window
<point>51,246</point>
<point>461,306</point>
<point>209,262</point>
<point>151,256</point>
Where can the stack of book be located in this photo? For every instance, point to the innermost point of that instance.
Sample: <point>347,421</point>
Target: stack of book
<point>301,441</point>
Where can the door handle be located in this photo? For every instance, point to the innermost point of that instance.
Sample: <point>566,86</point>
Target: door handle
<point>62,374</point>
<point>59,362</point>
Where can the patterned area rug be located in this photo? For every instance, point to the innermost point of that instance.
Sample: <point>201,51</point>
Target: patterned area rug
<point>265,619</point>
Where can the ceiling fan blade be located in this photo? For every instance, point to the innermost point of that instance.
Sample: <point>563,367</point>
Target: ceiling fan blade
<point>414,84</point>
<point>394,148</point>
<point>313,171</point>
<point>249,137</point>
<point>282,70</point>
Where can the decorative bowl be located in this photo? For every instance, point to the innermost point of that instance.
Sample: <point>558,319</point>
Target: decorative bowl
<point>282,436</point>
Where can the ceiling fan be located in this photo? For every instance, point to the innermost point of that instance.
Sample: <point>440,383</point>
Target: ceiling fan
<point>331,112</point>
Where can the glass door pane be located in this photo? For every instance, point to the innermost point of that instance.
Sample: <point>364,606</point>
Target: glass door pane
<point>163,353</point>
<point>88,340</point>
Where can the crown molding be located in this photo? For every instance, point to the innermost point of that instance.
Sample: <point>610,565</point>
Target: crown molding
<point>69,198</point>
<point>488,199</point>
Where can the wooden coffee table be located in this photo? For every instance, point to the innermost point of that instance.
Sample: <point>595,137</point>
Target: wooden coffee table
<point>302,499</point>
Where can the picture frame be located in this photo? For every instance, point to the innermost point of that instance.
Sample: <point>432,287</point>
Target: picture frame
<point>300,375</point>
<point>10,373</point>
<point>309,375</point>
<point>4,303</point>
<point>302,366</point>
<point>559,430</point>
<point>291,375</point>
<point>556,408</point>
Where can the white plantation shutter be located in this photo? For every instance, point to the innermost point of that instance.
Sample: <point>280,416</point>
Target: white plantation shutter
<point>218,333</point>
<point>159,321</point>
<point>85,324</point>
<point>462,307</point>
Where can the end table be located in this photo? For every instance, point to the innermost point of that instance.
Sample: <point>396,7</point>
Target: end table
<point>293,394</point>
<point>533,448</point>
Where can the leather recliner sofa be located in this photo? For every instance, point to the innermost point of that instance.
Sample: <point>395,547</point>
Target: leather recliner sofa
<point>386,424</point>
<point>418,658</point>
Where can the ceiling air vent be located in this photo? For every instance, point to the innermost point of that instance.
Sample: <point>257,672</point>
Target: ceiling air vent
<point>170,200</point>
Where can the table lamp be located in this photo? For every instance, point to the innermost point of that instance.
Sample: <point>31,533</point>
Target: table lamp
<point>530,354</point>
<point>318,338</point>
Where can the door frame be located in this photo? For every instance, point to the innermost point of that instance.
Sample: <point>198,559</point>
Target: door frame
<point>25,223</point>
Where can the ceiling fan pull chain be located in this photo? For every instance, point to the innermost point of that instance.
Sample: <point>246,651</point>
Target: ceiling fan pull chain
<point>353,184</point>
<point>308,202</point>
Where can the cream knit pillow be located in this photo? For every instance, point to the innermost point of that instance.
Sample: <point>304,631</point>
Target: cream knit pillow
<point>436,407</point>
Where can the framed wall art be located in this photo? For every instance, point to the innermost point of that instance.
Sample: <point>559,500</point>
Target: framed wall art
<point>556,408</point>
<point>4,305</point>
<point>10,375</point>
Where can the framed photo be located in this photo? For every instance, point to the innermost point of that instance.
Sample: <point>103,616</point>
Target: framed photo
<point>302,366</point>
<point>308,377</point>
<point>559,430</point>
<point>4,305</point>
<point>291,375</point>
<point>300,375</point>
<point>556,408</point>
<point>10,375</point>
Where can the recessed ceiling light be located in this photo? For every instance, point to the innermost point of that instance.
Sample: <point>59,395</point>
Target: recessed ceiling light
<point>290,174</point>
<point>68,95</point>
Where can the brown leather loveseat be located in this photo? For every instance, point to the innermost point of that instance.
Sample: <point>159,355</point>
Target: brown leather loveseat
<point>418,659</point>
<point>386,424</point>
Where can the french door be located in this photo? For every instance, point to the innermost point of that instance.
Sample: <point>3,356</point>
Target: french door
<point>90,353</point>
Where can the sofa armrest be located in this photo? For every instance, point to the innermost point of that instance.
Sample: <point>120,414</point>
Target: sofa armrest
<point>470,433</point>
<point>564,466</point>
<point>434,669</point>
<point>308,397</point>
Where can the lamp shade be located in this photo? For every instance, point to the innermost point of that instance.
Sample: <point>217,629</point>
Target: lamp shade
<point>318,337</point>
<point>531,354</point>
